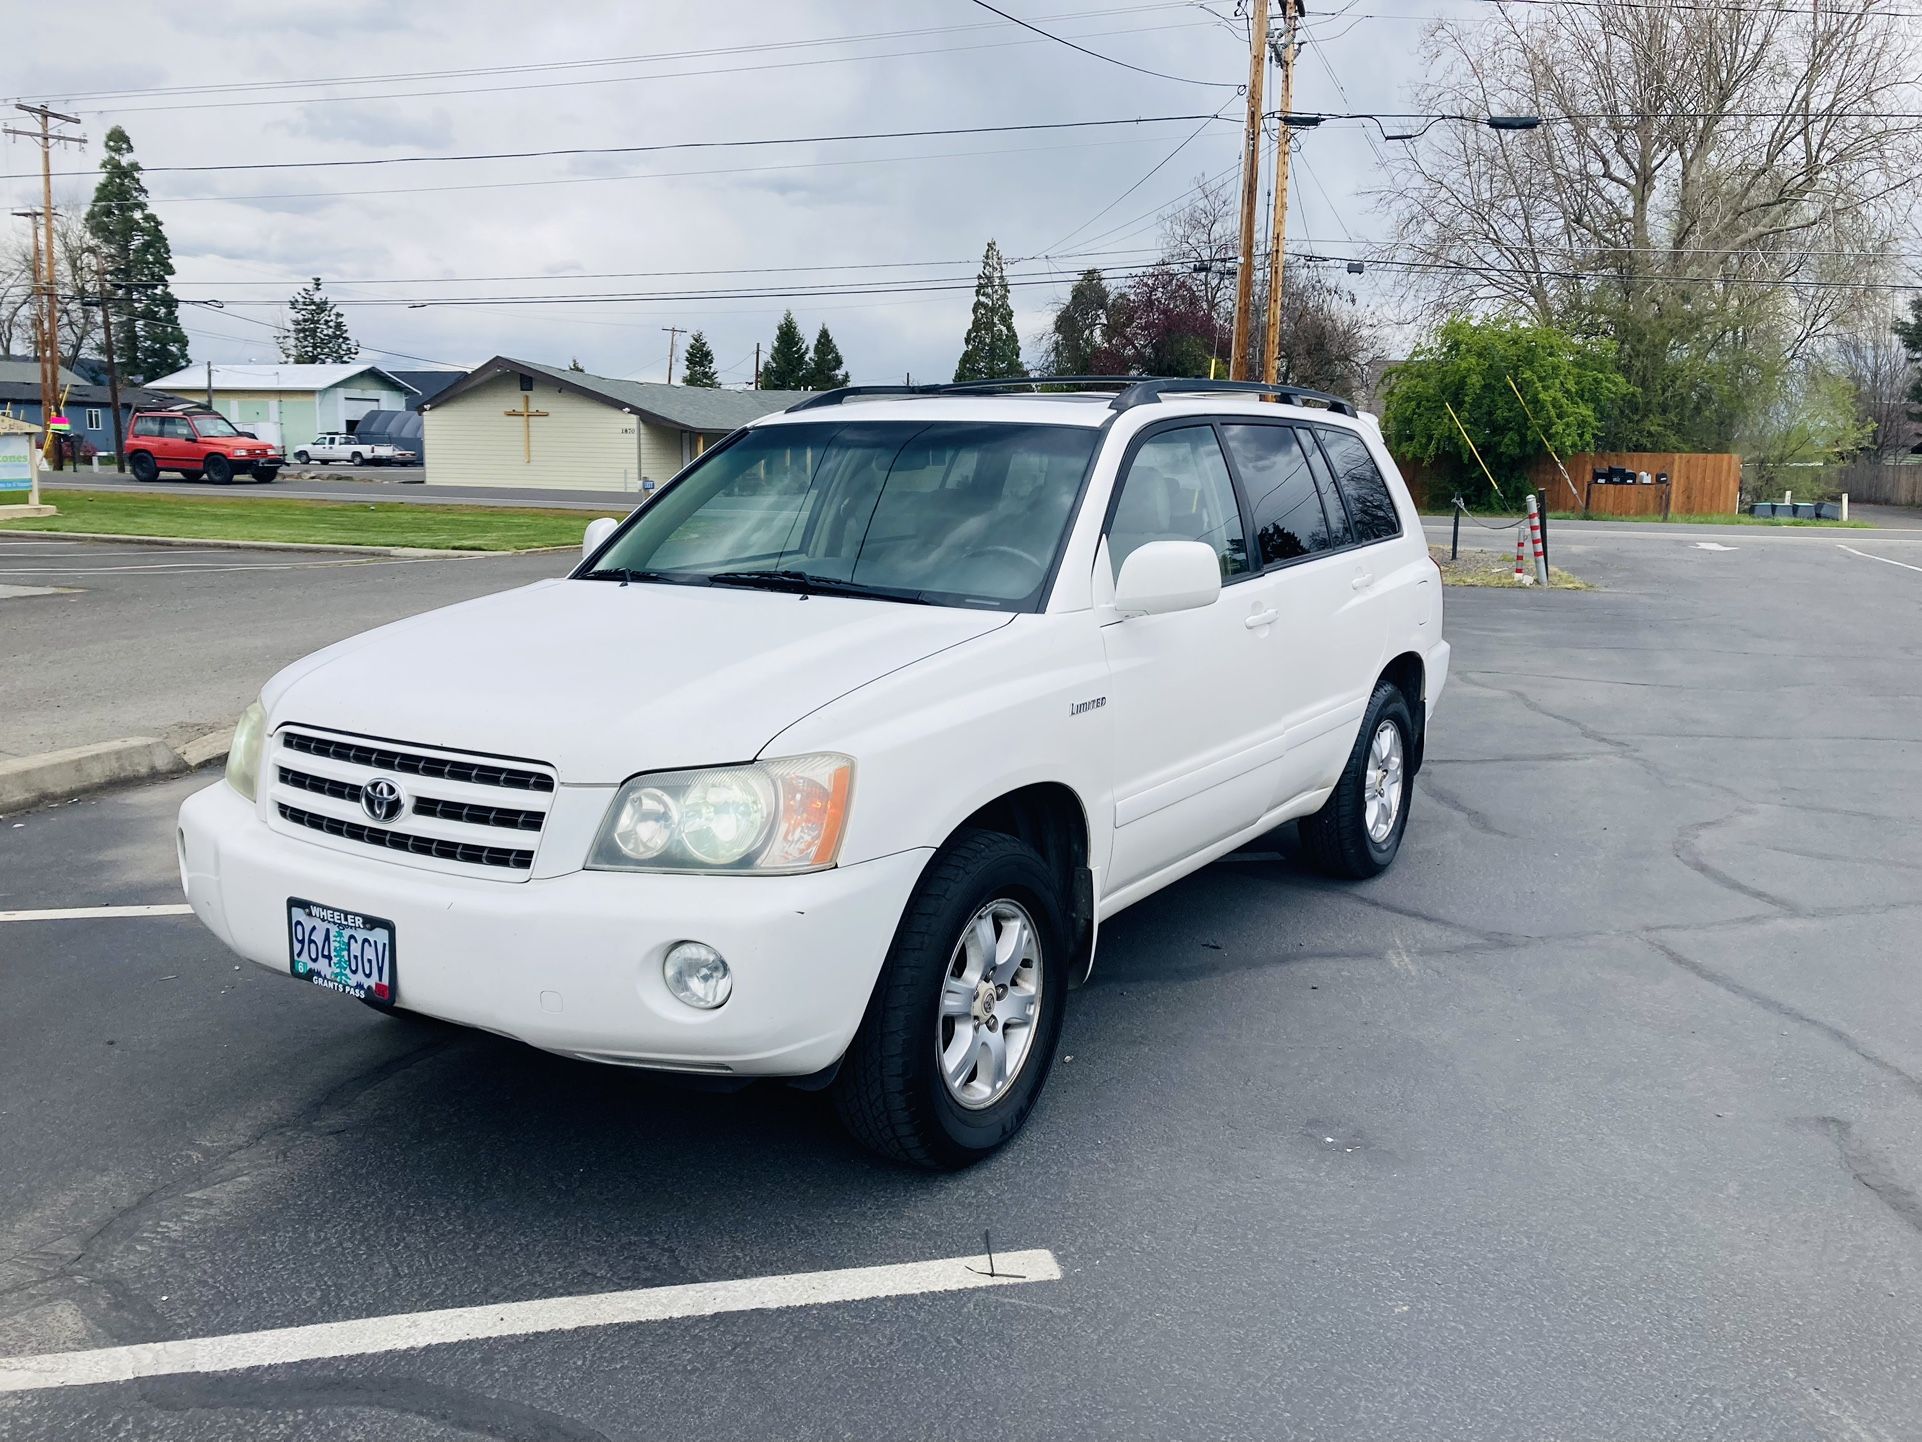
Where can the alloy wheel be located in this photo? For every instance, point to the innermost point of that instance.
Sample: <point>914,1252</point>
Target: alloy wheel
<point>990,1001</point>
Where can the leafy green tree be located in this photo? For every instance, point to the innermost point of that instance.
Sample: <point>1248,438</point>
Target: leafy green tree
<point>787,365</point>
<point>1568,383</point>
<point>316,332</point>
<point>147,333</point>
<point>1809,420</point>
<point>1080,326</point>
<point>992,350</point>
<point>826,369</point>
<point>697,366</point>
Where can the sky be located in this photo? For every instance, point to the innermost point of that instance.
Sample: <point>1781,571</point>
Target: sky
<point>208,85</point>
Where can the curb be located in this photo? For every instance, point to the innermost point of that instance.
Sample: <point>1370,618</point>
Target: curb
<point>208,543</point>
<point>27,781</point>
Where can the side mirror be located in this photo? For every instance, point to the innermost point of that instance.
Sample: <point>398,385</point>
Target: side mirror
<point>598,530</point>
<point>1165,576</point>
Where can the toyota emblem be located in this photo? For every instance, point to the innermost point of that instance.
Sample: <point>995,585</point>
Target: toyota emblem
<point>382,800</point>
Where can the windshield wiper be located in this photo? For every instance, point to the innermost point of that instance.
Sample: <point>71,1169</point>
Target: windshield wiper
<point>805,583</point>
<point>624,574</point>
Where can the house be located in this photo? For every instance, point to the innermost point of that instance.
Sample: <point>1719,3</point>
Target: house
<point>515,423</point>
<point>291,404</point>
<point>89,407</point>
<point>426,384</point>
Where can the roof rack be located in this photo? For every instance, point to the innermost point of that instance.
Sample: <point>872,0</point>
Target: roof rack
<point>1132,390</point>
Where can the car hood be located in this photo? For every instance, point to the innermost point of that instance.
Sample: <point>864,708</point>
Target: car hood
<point>603,680</point>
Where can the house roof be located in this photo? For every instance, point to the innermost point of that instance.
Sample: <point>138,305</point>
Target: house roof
<point>272,377</point>
<point>138,397</point>
<point>27,372</point>
<point>427,384</point>
<point>687,408</point>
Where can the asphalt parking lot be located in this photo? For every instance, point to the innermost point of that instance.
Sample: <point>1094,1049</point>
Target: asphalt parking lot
<point>1599,1115</point>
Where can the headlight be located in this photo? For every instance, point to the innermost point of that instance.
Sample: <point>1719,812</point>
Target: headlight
<point>772,816</point>
<point>243,757</point>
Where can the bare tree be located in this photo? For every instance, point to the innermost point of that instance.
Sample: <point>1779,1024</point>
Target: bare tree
<point>76,274</point>
<point>1710,175</point>
<point>1877,366</point>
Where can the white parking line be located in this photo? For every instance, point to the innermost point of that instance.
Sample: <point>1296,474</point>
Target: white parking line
<point>1883,559</point>
<point>92,913</point>
<point>368,1335</point>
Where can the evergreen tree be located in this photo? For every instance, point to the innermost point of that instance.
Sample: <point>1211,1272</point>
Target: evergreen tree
<point>826,369</point>
<point>992,350</point>
<point>1080,327</point>
<point>787,360</point>
<point>316,333</point>
<point>147,333</point>
<point>697,366</point>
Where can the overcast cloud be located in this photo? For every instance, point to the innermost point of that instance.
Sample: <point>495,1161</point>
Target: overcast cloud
<point>250,237</point>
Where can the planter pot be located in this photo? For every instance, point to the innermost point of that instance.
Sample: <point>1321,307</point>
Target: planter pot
<point>1804,510</point>
<point>1762,508</point>
<point>1828,510</point>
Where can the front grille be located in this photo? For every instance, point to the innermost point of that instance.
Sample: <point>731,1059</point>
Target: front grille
<point>405,763</point>
<point>460,851</point>
<point>473,815</point>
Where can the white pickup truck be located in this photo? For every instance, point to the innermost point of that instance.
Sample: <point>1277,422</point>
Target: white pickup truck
<point>338,446</point>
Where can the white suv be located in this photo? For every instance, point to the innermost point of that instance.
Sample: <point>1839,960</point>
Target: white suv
<point>829,761</point>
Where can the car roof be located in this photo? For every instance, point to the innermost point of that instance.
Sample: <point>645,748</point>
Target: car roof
<point>1068,408</point>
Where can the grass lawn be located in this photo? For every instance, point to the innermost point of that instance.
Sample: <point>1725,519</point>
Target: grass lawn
<point>349,523</point>
<point>1496,568</point>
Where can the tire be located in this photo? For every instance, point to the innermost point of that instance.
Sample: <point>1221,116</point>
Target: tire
<point>1338,840</point>
<point>219,470</point>
<point>302,457</point>
<point>143,467</point>
<point>891,1093</point>
<point>354,458</point>
<point>265,474</point>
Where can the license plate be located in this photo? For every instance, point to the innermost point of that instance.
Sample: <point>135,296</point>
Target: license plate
<point>342,950</point>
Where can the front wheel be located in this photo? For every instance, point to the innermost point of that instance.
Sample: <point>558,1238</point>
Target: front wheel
<point>962,1028</point>
<point>302,457</point>
<point>265,474</point>
<point>1359,827</point>
<point>219,470</point>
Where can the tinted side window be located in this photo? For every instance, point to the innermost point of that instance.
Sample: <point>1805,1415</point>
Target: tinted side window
<point>147,426</point>
<point>1288,514</point>
<point>1338,526</point>
<point>177,429</point>
<point>1369,505</point>
<point>1177,489</point>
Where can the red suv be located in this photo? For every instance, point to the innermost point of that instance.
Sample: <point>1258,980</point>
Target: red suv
<point>197,442</point>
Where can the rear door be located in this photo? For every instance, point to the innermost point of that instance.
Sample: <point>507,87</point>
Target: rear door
<point>1328,642</point>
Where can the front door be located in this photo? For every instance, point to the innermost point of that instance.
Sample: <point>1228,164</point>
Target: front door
<point>1195,750</point>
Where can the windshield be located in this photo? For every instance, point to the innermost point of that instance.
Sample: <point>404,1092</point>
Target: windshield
<point>951,512</point>
<point>214,426</point>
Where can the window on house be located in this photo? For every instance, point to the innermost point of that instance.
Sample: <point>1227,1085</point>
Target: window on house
<point>96,420</point>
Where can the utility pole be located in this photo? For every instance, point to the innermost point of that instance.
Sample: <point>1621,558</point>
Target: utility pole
<point>674,334</point>
<point>757,365</point>
<point>113,368</point>
<point>46,137</point>
<point>1250,189</point>
<point>1285,57</point>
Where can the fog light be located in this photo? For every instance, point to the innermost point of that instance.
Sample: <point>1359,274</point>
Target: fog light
<point>697,975</point>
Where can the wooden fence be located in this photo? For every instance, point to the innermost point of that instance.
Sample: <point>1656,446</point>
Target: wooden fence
<point>1883,482</point>
<point>1699,484</point>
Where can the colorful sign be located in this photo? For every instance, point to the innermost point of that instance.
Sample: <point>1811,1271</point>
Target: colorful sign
<point>16,463</point>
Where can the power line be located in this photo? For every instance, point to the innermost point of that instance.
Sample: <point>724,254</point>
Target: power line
<point>1868,12</point>
<point>1125,65</point>
<point>1143,180</point>
<point>657,148</point>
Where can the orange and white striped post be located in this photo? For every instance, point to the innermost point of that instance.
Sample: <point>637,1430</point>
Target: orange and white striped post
<point>1522,578</point>
<point>1535,539</point>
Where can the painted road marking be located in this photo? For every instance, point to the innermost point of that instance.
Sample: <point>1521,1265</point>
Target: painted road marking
<point>1883,559</point>
<point>1712,546</point>
<point>92,913</point>
<point>9,593</point>
<point>368,1335</point>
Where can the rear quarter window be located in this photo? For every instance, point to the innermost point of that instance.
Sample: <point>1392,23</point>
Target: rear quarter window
<point>1370,506</point>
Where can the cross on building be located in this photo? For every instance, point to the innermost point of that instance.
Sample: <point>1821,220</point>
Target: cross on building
<point>527,414</point>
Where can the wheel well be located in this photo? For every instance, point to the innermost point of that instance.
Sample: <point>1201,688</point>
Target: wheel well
<point>1408,675</point>
<point>1049,817</point>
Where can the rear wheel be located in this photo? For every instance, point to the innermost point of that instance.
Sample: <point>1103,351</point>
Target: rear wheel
<point>355,458</point>
<point>143,467</point>
<point>219,470</point>
<point>1358,830</point>
<point>962,1028</point>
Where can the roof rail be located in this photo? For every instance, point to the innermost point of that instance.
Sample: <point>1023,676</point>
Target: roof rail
<point>1133,390</point>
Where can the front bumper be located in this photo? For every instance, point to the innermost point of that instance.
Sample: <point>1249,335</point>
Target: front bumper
<point>572,963</point>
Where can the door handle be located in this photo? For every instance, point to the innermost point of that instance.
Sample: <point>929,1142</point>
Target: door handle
<point>1362,581</point>
<point>1260,619</point>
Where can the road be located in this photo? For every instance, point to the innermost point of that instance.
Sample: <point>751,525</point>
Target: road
<point>1600,1114</point>
<point>381,483</point>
